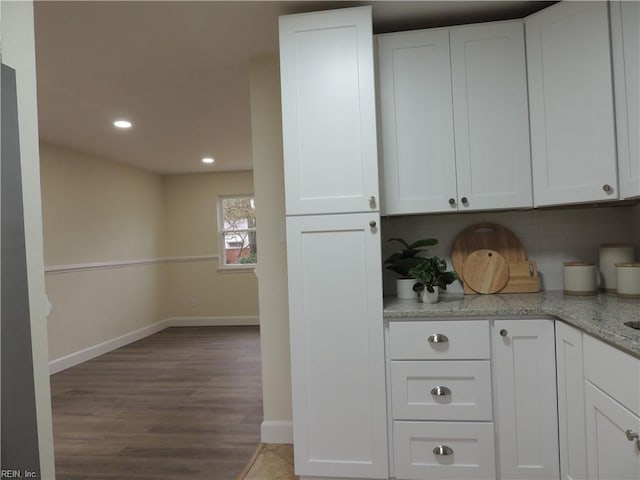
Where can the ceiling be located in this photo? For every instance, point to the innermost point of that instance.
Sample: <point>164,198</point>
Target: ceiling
<point>180,71</point>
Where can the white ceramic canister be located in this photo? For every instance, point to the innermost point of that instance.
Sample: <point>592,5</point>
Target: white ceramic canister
<point>628,278</point>
<point>610,254</point>
<point>580,278</point>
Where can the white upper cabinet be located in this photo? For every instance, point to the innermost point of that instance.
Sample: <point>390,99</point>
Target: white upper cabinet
<point>328,112</point>
<point>571,104</point>
<point>416,119</point>
<point>491,116</point>
<point>454,119</point>
<point>625,47</point>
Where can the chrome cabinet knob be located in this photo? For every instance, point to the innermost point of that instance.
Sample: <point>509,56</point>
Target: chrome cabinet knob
<point>372,224</point>
<point>503,333</point>
<point>438,338</point>
<point>440,391</point>
<point>443,450</point>
<point>452,201</point>
<point>372,201</point>
<point>631,436</point>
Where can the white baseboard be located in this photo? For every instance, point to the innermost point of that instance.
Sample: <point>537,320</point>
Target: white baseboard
<point>81,356</point>
<point>212,321</point>
<point>276,431</point>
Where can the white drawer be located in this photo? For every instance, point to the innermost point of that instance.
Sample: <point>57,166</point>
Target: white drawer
<point>471,444</point>
<point>441,390</point>
<point>613,371</point>
<point>446,340</point>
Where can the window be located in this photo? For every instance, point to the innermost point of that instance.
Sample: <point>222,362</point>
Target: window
<point>237,228</point>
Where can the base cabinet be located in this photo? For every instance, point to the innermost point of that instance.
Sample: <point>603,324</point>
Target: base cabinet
<point>450,420</point>
<point>337,346</point>
<point>444,450</point>
<point>525,395</point>
<point>571,414</point>
<point>611,454</point>
<point>612,404</point>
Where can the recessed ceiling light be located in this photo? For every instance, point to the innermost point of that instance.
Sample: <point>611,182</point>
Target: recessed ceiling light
<point>208,160</point>
<point>122,124</point>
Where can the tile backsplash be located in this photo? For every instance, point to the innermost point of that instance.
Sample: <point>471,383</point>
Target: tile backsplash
<point>549,237</point>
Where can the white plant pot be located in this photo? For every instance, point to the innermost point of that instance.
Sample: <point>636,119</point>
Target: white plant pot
<point>429,297</point>
<point>404,288</point>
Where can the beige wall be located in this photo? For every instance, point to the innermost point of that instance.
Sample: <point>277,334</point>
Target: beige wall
<point>272,268</point>
<point>95,306</point>
<point>98,211</point>
<point>197,288</point>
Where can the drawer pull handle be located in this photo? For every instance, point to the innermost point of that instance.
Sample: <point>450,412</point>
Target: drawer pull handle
<point>503,333</point>
<point>443,450</point>
<point>440,391</point>
<point>438,338</point>
<point>631,436</point>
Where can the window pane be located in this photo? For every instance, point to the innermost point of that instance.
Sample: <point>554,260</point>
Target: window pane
<point>239,213</point>
<point>240,248</point>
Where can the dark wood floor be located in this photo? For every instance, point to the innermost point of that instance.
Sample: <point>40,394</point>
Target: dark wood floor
<point>185,403</point>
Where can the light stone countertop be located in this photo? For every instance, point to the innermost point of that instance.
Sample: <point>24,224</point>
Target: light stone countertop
<point>601,315</point>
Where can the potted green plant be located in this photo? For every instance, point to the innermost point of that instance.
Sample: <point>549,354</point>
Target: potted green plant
<point>401,262</point>
<point>431,275</point>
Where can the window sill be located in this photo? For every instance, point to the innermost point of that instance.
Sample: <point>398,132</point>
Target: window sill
<point>242,269</point>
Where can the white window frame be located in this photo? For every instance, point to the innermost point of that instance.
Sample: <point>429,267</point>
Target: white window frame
<point>222,257</point>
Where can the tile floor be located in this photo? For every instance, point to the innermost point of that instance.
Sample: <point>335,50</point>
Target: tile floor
<point>273,462</point>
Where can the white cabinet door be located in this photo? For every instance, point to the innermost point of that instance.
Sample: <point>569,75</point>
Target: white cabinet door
<point>525,388</point>
<point>625,47</point>
<point>570,100</point>
<point>611,455</point>
<point>490,109</point>
<point>571,409</point>
<point>337,346</point>
<point>418,158</point>
<point>328,112</point>
<point>475,75</point>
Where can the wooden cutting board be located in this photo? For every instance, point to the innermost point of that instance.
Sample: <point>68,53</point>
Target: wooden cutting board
<point>500,239</point>
<point>486,271</point>
<point>523,277</point>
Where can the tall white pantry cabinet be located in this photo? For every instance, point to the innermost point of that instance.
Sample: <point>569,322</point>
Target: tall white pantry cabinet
<point>333,244</point>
